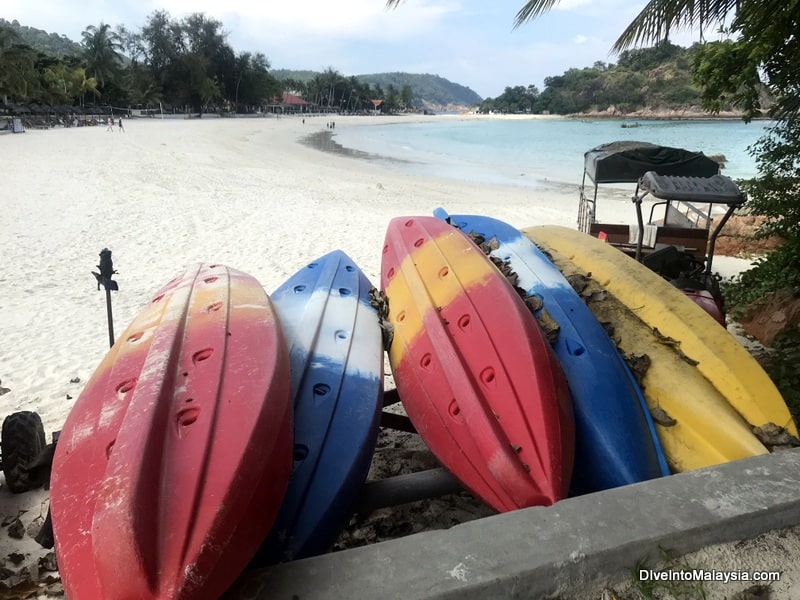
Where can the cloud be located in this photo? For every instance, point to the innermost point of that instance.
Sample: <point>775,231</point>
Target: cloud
<point>303,21</point>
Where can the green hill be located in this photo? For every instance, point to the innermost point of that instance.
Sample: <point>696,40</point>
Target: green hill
<point>47,43</point>
<point>430,91</point>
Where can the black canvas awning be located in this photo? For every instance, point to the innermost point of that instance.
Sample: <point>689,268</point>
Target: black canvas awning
<point>626,162</point>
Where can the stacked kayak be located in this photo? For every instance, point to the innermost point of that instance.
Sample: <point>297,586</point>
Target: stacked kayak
<point>173,463</point>
<point>708,390</point>
<point>473,369</point>
<point>227,428</point>
<point>615,439</point>
<point>336,358</point>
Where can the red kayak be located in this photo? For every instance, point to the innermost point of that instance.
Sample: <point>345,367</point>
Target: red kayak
<point>473,369</point>
<point>173,463</point>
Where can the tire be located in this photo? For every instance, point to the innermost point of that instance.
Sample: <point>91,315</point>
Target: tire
<point>21,442</point>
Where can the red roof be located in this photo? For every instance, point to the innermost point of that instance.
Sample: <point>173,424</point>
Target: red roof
<point>292,99</point>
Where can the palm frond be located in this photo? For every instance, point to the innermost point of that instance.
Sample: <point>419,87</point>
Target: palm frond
<point>533,9</point>
<point>660,17</point>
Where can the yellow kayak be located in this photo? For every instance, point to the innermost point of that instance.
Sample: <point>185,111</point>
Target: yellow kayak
<point>699,375</point>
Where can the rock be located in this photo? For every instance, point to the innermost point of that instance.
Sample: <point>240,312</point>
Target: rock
<point>737,237</point>
<point>772,317</point>
<point>16,530</point>
<point>48,562</point>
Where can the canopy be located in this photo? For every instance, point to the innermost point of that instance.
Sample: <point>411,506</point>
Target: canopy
<point>626,162</point>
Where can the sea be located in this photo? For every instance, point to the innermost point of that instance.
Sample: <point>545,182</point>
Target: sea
<point>538,153</point>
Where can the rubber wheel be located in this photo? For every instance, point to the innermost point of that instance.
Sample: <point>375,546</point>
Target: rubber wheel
<point>21,442</point>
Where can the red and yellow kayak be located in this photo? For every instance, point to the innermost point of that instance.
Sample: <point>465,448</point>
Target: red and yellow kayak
<point>473,369</point>
<point>173,463</point>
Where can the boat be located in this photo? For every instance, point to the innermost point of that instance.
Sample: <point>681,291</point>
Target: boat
<point>473,370</point>
<point>709,391</point>
<point>686,194</point>
<point>336,357</point>
<point>615,440</point>
<point>174,460</point>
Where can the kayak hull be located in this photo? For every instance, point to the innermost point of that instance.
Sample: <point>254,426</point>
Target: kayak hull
<point>336,355</point>
<point>475,375</point>
<point>172,464</point>
<point>615,439</point>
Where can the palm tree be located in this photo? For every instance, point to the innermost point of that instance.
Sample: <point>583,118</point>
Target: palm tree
<point>85,85</point>
<point>208,91</point>
<point>102,52</point>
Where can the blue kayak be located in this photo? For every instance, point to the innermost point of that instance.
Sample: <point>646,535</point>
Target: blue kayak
<point>616,441</point>
<point>336,359</point>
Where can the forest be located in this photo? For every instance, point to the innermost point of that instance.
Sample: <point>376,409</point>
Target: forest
<point>187,65</point>
<point>181,65</point>
<point>660,77</point>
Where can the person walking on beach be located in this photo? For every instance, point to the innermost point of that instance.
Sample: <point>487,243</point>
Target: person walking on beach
<point>110,125</point>
<point>121,128</point>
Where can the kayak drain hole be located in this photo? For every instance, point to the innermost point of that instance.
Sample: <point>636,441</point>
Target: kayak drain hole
<point>443,272</point>
<point>299,289</point>
<point>349,268</point>
<point>426,361</point>
<point>390,273</point>
<point>345,291</point>
<point>321,389</point>
<point>419,243</point>
<point>135,337</point>
<point>187,416</point>
<point>214,307</point>
<point>312,266</point>
<point>202,355</point>
<point>487,375</point>
<point>126,386</point>
<point>341,335</point>
<point>385,248</point>
<point>299,453</point>
<point>402,316</point>
<point>409,223</point>
<point>454,409</point>
<point>109,448</point>
<point>464,321</point>
<point>210,279</point>
<point>158,298</point>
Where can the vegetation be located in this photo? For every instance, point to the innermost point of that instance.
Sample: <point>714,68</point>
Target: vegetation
<point>180,65</point>
<point>762,55</point>
<point>331,90</point>
<point>52,44</point>
<point>420,91</point>
<point>657,78</point>
<point>183,64</point>
<point>430,91</point>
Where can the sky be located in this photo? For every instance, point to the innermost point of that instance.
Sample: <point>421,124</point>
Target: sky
<point>469,42</point>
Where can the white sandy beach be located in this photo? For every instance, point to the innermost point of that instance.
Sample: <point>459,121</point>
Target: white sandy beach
<point>166,194</point>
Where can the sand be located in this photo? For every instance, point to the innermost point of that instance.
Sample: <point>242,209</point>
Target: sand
<point>166,194</point>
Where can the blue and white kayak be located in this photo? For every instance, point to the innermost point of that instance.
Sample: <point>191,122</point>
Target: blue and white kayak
<point>336,357</point>
<point>616,441</point>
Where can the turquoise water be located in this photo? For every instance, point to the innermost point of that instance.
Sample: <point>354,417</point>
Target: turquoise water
<point>538,153</point>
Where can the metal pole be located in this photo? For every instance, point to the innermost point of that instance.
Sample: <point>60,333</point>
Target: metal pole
<point>110,319</point>
<point>107,271</point>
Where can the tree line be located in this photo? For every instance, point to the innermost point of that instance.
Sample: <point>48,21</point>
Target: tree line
<point>183,65</point>
<point>658,77</point>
